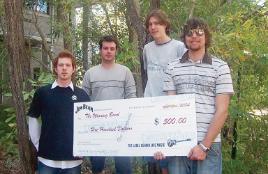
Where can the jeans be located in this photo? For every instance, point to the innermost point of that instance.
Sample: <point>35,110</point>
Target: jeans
<point>43,169</point>
<point>162,163</point>
<point>211,165</point>
<point>122,165</point>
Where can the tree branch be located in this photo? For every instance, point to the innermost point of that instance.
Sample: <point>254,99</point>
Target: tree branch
<point>192,9</point>
<point>42,35</point>
<point>108,19</point>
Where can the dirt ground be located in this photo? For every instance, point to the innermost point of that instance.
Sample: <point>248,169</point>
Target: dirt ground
<point>9,166</point>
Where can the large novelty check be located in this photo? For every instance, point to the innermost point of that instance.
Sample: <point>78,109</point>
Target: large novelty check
<point>135,127</point>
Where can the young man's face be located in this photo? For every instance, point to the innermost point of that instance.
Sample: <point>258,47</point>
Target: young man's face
<point>156,29</point>
<point>64,69</point>
<point>108,52</point>
<point>195,39</point>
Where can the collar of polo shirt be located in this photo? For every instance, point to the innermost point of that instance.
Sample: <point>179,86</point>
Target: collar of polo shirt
<point>206,59</point>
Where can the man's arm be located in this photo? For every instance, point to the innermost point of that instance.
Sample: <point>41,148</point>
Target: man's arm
<point>86,84</point>
<point>34,131</point>
<point>33,114</point>
<point>130,87</point>
<point>220,116</point>
<point>222,103</point>
<point>144,57</point>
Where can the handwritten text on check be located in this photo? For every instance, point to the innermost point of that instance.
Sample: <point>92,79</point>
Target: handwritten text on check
<point>135,127</point>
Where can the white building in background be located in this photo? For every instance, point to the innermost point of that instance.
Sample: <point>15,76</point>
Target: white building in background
<point>39,57</point>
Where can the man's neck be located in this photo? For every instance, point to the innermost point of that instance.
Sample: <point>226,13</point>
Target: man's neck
<point>162,40</point>
<point>107,65</point>
<point>63,83</point>
<point>196,55</point>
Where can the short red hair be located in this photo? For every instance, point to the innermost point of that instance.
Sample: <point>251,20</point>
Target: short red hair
<point>64,54</point>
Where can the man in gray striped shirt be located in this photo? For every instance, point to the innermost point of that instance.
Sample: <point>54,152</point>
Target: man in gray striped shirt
<point>108,81</point>
<point>197,72</point>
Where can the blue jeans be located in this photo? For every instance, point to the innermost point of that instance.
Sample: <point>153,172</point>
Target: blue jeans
<point>211,165</point>
<point>43,169</point>
<point>122,164</point>
<point>162,163</point>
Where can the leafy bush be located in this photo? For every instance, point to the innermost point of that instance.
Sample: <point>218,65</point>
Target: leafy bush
<point>8,130</point>
<point>252,145</point>
<point>8,127</point>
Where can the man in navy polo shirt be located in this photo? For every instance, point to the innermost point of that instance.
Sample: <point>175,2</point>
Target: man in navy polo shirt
<point>53,139</point>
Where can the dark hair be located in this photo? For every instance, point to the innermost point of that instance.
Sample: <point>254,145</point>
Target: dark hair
<point>195,23</point>
<point>63,54</point>
<point>161,16</point>
<point>108,38</point>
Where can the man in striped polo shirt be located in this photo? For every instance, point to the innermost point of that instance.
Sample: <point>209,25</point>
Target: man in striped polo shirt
<point>197,72</point>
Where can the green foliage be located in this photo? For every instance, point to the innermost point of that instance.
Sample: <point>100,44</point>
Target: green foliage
<point>2,9</point>
<point>79,74</point>
<point>252,154</point>
<point>8,127</point>
<point>44,78</point>
<point>177,16</point>
<point>240,37</point>
<point>8,130</point>
<point>241,40</point>
<point>128,55</point>
<point>3,69</point>
<point>99,26</point>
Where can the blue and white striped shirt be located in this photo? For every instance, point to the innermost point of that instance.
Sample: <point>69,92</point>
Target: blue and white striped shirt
<point>206,79</point>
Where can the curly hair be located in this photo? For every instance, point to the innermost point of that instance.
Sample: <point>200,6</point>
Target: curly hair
<point>195,23</point>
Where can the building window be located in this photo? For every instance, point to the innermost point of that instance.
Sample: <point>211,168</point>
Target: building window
<point>38,5</point>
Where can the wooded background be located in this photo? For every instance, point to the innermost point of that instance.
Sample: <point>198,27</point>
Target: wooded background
<point>240,37</point>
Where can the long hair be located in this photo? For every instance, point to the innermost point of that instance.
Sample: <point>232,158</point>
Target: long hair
<point>161,16</point>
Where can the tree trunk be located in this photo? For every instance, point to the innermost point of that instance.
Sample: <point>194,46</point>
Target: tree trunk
<point>132,36</point>
<point>235,132</point>
<point>192,9</point>
<point>108,20</point>
<point>65,22</point>
<point>42,35</point>
<point>85,35</point>
<point>1,77</point>
<point>154,4</point>
<point>14,40</point>
<point>137,24</point>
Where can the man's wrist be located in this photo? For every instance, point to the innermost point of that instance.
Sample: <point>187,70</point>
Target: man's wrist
<point>203,147</point>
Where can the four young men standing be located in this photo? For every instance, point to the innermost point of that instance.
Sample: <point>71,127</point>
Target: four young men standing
<point>192,72</point>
